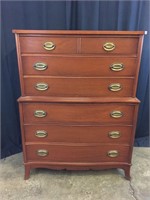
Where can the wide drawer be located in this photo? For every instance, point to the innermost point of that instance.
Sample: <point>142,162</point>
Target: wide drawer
<point>49,45</point>
<point>110,45</point>
<point>79,87</point>
<point>114,113</point>
<point>78,66</point>
<point>80,153</point>
<point>78,134</point>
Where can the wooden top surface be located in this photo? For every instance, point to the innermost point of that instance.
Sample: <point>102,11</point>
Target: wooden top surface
<point>40,99</point>
<point>78,32</point>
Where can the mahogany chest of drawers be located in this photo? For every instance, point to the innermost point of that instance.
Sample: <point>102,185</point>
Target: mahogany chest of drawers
<point>78,108</point>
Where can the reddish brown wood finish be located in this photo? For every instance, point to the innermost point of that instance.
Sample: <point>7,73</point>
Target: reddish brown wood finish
<point>77,166</point>
<point>78,102</point>
<point>125,45</point>
<point>78,87</point>
<point>134,129</point>
<point>78,134</point>
<point>77,32</point>
<point>138,63</point>
<point>23,137</point>
<point>78,113</point>
<point>79,153</point>
<point>19,62</point>
<point>35,45</point>
<point>88,45</point>
<point>70,66</point>
<point>44,99</point>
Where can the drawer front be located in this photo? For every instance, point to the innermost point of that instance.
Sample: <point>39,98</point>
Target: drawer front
<point>78,134</point>
<point>77,113</point>
<point>66,153</point>
<point>79,87</point>
<point>78,66</point>
<point>48,45</point>
<point>124,45</point>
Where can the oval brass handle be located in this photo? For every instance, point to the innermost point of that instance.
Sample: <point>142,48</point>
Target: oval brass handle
<point>113,153</point>
<point>109,46</point>
<point>117,67</point>
<point>116,114</point>
<point>41,86</point>
<point>41,134</point>
<point>114,134</point>
<point>40,113</point>
<point>40,66</point>
<point>42,152</point>
<point>115,87</point>
<point>49,46</point>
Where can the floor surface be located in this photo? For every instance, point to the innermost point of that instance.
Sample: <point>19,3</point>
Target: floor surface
<point>45,184</point>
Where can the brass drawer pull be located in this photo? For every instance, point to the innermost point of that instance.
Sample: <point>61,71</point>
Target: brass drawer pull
<point>114,134</point>
<point>116,114</point>
<point>109,46</point>
<point>40,66</point>
<point>115,87</point>
<point>113,153</point>
<point>42,152</point>
<point>40,113</point>
<point>41,134</point>
<point>117,67</point>
<point>49,46</point>
<point>41,86</point>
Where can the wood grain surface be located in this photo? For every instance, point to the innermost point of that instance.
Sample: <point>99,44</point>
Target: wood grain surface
<point>78,102</point>
<point>78,87</point>
<point>76,66</point>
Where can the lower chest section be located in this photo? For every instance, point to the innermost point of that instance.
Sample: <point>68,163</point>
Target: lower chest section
<point>77,132</point>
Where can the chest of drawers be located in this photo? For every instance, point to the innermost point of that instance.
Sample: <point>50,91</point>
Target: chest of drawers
<point>78,108</point>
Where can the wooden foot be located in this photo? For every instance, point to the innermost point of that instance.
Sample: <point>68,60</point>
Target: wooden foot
<point>27,172</point>
<point>127,172</point>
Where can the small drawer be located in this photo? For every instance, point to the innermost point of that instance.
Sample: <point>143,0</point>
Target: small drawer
<point>110,45</point>
<point>78,113</point>
<point>79,87</point>
<point>78,134</point>
<point>48,45</point>
<point>77,153</point>
<point>71,66</point>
